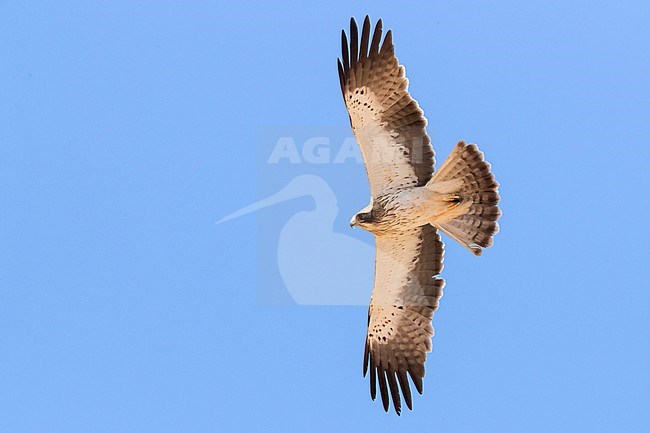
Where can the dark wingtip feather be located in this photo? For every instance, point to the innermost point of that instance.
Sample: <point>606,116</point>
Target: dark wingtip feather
<point>383,388</point>
<point>417,381</point>
<point>341,76</point>
<point>373,382</point>
<point>365,359</point>
<point>354,43</point>
<point>344,50</point>
<point>365,38</point>
<point>388,42</point>
<point>394,392</point>
<point>406,389</point>
<point>376,39</point>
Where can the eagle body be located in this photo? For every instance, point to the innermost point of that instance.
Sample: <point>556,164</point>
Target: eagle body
<point>410,205</point>
<point>408,208</point>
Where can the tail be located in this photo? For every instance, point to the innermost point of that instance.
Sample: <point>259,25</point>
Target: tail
<point>473,218</point>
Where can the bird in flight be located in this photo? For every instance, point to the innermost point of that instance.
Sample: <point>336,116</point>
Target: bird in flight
<point>409,205</point>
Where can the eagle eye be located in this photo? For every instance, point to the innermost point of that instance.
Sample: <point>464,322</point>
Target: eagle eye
<point>365,217</point>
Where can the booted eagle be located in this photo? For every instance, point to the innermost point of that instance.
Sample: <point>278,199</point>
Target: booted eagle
<point>409,204</point>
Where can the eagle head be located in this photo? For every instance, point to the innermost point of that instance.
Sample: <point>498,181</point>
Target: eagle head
<point>364,217</point>
<point>361,219</point>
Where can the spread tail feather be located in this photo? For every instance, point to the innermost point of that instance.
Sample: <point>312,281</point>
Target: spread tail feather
<point>474,219</point>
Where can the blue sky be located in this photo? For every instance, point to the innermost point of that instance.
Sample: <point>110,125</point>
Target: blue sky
<point>128,129</point>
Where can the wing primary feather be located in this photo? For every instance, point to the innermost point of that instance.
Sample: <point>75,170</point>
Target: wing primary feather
<point>417,380</point>
<point>406,390</point>
<point>365,37</point>
<point>376,39</point>
<point>394,392</point>
<point>341,76</point>
<point>388,42</point>
<point>344,49</point>
<point>383,389</point>
<point>373,381</point>
<point>354,43</point>
<point>366,352</point>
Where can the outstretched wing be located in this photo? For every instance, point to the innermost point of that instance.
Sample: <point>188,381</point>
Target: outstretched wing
<point>404,298</point>
<point>387,122</point>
